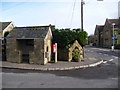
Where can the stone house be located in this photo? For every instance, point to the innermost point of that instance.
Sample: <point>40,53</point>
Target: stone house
<point>91,40</point>
<point>66,54</point>
<point>108,32</point>
<point>103,33</point>
<point>98,35</point>
<point>4,27</point>
<point>29,45</point>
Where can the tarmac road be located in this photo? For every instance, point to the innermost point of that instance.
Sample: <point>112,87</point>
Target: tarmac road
<point>102,76</point>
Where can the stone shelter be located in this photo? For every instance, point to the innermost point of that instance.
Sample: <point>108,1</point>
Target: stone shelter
<point>66,54</point>
<point>29,45</point>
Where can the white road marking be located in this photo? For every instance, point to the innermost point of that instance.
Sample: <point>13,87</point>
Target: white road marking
<point>102,49</point>
<point>114,78</point>
<point>114,57</point>
<point>111,59</point>
<point>105,61</point>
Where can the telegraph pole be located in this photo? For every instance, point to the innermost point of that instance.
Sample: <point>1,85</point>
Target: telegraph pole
<point>82,3</point>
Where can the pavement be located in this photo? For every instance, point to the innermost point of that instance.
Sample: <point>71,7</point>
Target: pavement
<point>60,65</point>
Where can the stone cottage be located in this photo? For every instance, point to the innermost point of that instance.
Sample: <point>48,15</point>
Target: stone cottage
<point>98,37</point>
<point>66,54</point>
<point>103,33</point>
<point>4,27</point>
<point>29,45</point>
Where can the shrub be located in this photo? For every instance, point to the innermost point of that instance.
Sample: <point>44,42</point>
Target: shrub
<point>76,54</point>
<point>117,46</point>
<point>65,36</point>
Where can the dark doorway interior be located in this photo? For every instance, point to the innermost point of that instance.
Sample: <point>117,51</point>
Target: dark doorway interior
<point>25,58</point>
<point>25,46</point>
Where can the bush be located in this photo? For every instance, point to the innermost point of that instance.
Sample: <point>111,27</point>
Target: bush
<point>65,36</point>
<point>76,54</point>
<point>117,46</point>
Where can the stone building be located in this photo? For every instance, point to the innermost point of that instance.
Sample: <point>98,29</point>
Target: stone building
<point>91,40</point>
<point>103,33</point>
<point>29,45</point>
<point>66,54</point>
<point>98,37</point>
<point>4,27</point>
<point>108,32</point>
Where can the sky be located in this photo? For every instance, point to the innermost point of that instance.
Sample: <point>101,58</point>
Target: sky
<point>58,12</point>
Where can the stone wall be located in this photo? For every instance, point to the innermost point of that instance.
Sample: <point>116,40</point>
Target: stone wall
<point>37,56</point>
<point>47,48</point>
<point>12,54</point>
<point>63,55</point>
<point>66,55</point>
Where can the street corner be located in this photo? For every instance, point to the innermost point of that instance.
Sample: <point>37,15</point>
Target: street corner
<point>60,65</point>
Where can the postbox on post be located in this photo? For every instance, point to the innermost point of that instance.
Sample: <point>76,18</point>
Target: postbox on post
<point>54,50</point>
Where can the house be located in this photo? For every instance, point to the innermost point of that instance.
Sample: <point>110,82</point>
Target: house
<point>29,45</point>
<point>67,54</point>
<point>91,40</point>
<point>4,27</point>
<point>108,32</point>
<point>98,35</point>
<point>103,33</point>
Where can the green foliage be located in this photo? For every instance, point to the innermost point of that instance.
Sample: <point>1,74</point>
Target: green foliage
<point>65,36</point>
<point>76,54</point>
<point>117,46</point>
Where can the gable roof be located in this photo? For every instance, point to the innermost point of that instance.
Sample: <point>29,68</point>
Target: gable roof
<point>29,32</point>
<point>98,28</point>
<point>75,44</point>
<point>111,21</point>
<point>3,25</point>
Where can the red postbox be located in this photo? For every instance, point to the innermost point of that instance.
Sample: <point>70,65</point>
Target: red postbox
<point>54,48</point>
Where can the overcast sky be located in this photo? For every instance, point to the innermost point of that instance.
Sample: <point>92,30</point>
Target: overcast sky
<point>58,13</point>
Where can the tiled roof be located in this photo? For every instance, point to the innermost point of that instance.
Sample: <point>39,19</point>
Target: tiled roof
<point>28,32</point>
<point>99,27</point>
<point>111,21</point>
<point>3,25</point>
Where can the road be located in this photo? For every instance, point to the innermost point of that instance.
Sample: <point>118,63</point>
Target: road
<point>102,76</point>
